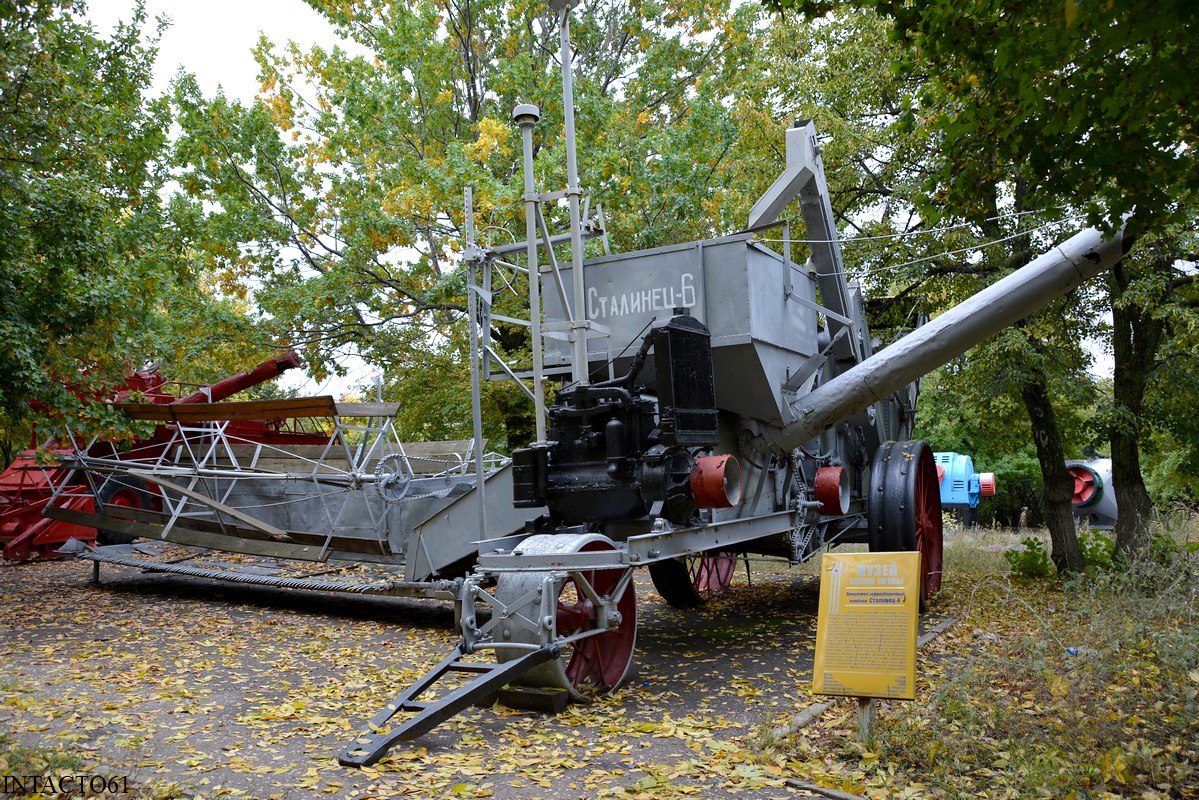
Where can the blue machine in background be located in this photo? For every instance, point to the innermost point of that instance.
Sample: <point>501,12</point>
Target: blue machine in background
<point>961,486</point>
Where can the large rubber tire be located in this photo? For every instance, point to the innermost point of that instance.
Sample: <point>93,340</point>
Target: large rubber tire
<point>905,509</point>
<point>691,581</point>
<point>127,491</point>
<point>591,666</point>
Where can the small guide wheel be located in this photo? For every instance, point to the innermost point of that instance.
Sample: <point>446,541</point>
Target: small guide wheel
<point>589,666</point>
<point>393,476</point>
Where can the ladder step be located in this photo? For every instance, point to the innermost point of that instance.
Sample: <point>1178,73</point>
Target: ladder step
<point>466,666</point>
<point>372,744</point>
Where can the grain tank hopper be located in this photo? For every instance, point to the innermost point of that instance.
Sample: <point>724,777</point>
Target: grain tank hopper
<point>715,399</point>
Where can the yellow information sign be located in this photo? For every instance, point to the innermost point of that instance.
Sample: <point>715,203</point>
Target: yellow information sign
<point>866,629</point>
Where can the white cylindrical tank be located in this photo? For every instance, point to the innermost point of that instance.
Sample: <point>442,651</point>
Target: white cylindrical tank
<point>1094,498</point>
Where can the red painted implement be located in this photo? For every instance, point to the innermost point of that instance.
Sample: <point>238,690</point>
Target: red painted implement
<point>29,483</point>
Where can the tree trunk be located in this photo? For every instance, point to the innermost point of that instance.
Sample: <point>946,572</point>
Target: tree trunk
<point>1136,334</point>
<point>1059,486</point>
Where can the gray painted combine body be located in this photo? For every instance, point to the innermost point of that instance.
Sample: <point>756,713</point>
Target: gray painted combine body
<point>778,388</point>
<point>764,329</point>
<point>734,285</point>
<point>793,395</point>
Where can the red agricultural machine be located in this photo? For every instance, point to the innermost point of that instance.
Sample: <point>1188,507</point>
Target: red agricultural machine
<point>33,479</point>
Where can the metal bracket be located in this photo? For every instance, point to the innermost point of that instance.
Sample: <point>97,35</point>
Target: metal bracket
<point>813,363</point>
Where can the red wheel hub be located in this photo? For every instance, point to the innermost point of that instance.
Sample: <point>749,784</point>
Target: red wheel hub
<point>125,498</point>
<point>1085,485</point>
<point>597,663</point>
<point>711,573</point>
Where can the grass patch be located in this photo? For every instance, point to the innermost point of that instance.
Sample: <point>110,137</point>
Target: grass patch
<point>1085,688</point>
<point>20,763</point>
<point>18,760</point>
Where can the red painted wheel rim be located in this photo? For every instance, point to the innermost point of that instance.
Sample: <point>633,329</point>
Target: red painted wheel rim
<point>125,498</point>
<point>711,573</point>
<point>928,526</point>
<point>597,664</point>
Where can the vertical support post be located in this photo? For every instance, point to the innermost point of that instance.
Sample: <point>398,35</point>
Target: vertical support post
<point>867,716</point>
<point>526,116</point>
<point>787,277</point>
<point>476,390</point>
<point>95,572</point>
<point>578,326</point>
<point>485,316</point>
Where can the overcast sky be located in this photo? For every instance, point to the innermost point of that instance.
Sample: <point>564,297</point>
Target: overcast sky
<point>213,38</point>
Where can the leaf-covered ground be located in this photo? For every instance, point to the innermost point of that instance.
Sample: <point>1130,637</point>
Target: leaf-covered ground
<point>1085,688</point>
<point>227,689</point>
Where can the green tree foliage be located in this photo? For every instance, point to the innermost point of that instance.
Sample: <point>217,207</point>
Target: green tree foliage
<point>1150,419</point>
<point>836,72</point>
<point>1084,106</point>
<point>1172,442</point>
<point>77,160</point>
<point>1089,100</point>
<point>95,274</point>
<point>339,194</point>
<point>897,257</point>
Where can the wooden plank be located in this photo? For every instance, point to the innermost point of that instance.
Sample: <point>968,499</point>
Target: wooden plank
<point>181,534</point>
<point>87,519</point>
<point>433,466</point>
<point>245,452</point>
<point>459,447</point>
<point>234,544</point>
<point>367,409</point>
<point>425,458</point>
<point>159,520</point>
<point>285,466</point>
<point>291,408</point>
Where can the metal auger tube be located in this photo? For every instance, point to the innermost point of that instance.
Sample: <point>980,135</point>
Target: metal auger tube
<point>983,315</point>
<point>267,370</point>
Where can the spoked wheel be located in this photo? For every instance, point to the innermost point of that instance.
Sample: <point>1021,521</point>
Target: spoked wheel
<point>127,491</point>
<point>905,509</point>
<point>693,580</point>
<point>590,666</point>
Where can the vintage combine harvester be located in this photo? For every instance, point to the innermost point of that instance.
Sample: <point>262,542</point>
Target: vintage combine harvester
<point>28,484</point>
<point>716,399</point>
